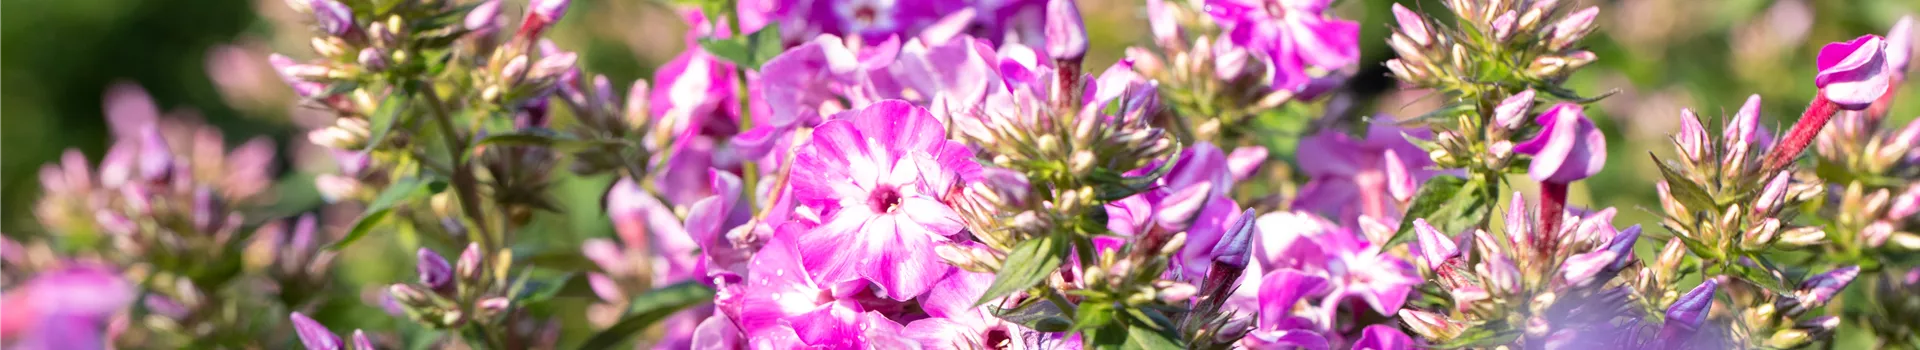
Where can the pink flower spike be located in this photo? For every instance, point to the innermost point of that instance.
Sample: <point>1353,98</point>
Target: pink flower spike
<point>1853,74</point>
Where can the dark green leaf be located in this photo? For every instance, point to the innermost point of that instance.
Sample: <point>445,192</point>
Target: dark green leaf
<point>387,115</point>
<point>1435,194</point>
<point>399,192</point>
<point>1684,190</point>
<point>1761,275</point>
<point>1038,314</point>
<point>1148,339</point>
<point>1113,336</point>
<point>1029,264</point>
<point>648,308</point>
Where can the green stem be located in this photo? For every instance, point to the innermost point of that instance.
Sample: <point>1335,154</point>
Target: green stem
<point>464,183</point>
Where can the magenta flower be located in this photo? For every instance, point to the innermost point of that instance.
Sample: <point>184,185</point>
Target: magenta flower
<point>1290,36</point>
<point>65,308</point>
<point>876,177</point>
<point>952,320</point>
<point>1569,147</point>
<point>1853,74</point>
<point>1368,177</point>
<point>784,304</point>
<point>1383,337</point>
<point>1353,267</point>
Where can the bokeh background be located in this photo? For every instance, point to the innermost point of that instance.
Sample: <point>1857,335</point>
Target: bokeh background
<point>205,59</point>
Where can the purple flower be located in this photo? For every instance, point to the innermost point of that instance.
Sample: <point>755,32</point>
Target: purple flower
<point>640,220</point>
<point>876,176</point>
<point>1853,74</point>
<point>1817,290</point>
<point>1353,267</point>
<point>64,308</point>
<point>1569,147</point>
<point>695,101</point>
<point>1354,178</point>
<point>1383,337</point>
<point>1290,36</point>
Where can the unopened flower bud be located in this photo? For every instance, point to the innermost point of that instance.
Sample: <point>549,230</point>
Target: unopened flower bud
<point>1435,247</point>
<point>1692,140</point>
<point>1788,339</point>
<point>1066,35</point>
<point>333,17</point>
<point>407,295</point>
<point>492,307</point>
<point>552,67</point>
<point>1235,242</point>
<point>156,160</point>
<point>1817,290</point>
<point>434,271</point>
<point>1573,27</point>
<point>1513,110</point>
<point>484,16</point>
<point>1803,236</point>
<point>1432,326</point>
<point>1412,25</point>
<point>1760,236</point>
<point>470,266</point>
<point>314,335</point>
<point>1503,26</point>
<point>1687,313</point>
<point>361,342</point>
<point>372,59</point>
<point>1177,293</point>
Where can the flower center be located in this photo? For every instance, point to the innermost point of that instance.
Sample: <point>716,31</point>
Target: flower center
<point>865,15</point>
<point>883,199</point>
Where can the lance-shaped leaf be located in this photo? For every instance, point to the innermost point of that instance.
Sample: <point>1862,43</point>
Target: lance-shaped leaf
<point>399,192</point>
<point>1028,264</point>
<point>648,308</point>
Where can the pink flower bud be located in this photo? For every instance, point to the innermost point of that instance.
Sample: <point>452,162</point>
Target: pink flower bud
<point>1435,247</point>
<point>1692,140</point>
<point>1900,45</point>
<point>1066,35</point>
<point>1412,25</point>
<point>1513,111</point>
<point>314,335</point>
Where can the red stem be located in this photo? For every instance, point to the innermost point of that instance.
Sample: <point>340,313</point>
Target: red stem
<point>1810,124</point>
<point>1553,202</point>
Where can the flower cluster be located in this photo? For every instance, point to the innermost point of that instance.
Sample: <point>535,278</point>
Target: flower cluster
<point>848,174</point>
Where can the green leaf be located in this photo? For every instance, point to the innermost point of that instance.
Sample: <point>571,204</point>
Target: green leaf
<point>1038,314</point>
<point>751,50</point>
<point>387,115</point>
<point>1147,338</point>
<point>1090,315</point>
<point>1029,264</point>
<point>648,308</point>
<point>1684,190</point>
<point>1763,276</point>
<point>1434,197</point>
<point>399,192</point>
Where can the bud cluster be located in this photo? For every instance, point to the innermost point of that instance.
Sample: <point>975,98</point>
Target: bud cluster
<point>1718,199</point>
<point>1536,42</point>
<point>447,296</point>
<point>1543,285</point>
<point>1067,153</point>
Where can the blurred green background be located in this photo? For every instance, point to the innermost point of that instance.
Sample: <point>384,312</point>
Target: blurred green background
<point>57,57</point>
